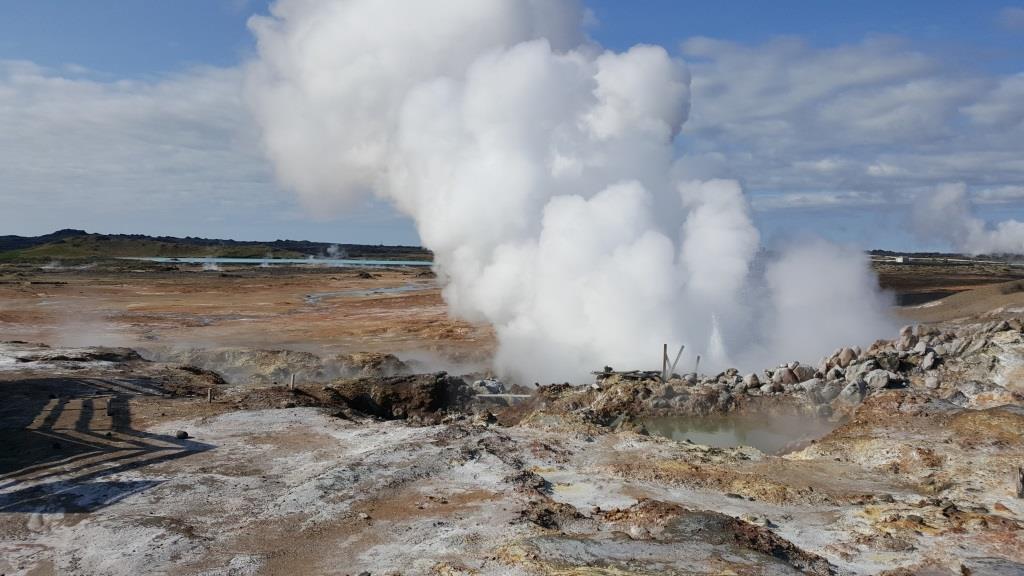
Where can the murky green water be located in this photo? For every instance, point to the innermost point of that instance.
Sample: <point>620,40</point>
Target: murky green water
<point>771,434</point>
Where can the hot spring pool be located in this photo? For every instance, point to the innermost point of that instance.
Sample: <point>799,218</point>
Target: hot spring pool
<point>771,434</point>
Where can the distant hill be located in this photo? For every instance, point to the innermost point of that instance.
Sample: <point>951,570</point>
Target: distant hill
<point>76,244</point>
<point>948,256</point>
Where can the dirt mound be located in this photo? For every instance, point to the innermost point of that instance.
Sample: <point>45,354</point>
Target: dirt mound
<point>257,367</point>
<point>25,352</point>
<point>188,380</point>
<point>1012,287</point>
<point>248,366</point>
<point>1007,296</point>
<point>280,397</point>
<point>425,396</point>
<point>652,536</point>
<point>372,364</point>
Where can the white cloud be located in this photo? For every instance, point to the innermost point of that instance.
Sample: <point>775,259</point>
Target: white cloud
<point>871,121</point>
<point>76,143</point>
<point>999,195</point>
<point>1002,105</point>
<point>168,154</point>
<point>817,200</point>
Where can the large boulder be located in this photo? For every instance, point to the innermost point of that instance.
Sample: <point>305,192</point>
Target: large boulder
<point>907,339</point>
<point>857,371</point>
<point>812,388</point>
<point>854,392</point>
<point>879,379</point>
<point>809,386</point>
<point>977,345</point>
<point>752,381</point>
<point>830,391</point>
<point>888,361</point>
<point>489,386</point>
<point>804,372</point>
<point>835,373</point>
<point>846,357</point>
<point>784,376</point>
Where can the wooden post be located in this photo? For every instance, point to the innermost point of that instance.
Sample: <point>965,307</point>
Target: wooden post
<point>672,368</point>
<point>664,362</point>
<point>291,385</point>
<point>696,366</point>
<point>1020,481</point>
<point>209,395</point>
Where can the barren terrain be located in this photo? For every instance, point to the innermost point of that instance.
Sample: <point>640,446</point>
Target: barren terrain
<point>151,425</point>
<point>180,306</point>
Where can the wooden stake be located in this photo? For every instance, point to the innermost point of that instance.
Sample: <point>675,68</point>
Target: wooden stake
<point>664,362</point>
<point>291,385</point>
<point>1020,481</point>
<point>672,369</point>
<point>209,395</point>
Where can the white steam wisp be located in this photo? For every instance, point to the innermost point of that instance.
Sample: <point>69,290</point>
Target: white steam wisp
<point>946,213</point>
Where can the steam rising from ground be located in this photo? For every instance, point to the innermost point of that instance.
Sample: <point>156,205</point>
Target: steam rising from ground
<point>538,168</point>
<point>947,214</point>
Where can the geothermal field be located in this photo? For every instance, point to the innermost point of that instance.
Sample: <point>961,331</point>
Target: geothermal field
<point>310,419</point>
<point>581,287</point>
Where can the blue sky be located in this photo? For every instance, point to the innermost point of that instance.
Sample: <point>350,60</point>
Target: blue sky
<point>963,58</point>
<point>140,37</point>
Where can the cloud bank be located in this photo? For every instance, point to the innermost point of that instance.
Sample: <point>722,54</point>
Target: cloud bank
<point>876,122</point>
<point>843,129</point>
<point>175,154</point>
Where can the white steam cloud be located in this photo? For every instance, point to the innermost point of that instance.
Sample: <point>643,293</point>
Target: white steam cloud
<point>946,213</point>
<point>538,168</point>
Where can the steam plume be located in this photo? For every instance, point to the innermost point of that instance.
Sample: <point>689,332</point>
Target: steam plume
<point>947,214</point>
<point>537,167</point>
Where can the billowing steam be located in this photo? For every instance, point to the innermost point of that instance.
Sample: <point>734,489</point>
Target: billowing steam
<point>538,168</point>
<point>946,213</point>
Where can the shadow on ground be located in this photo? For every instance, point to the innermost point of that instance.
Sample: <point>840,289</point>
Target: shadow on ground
<point>65,441</point>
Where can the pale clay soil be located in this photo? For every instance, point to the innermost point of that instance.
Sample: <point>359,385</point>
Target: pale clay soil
<point>916,478</point>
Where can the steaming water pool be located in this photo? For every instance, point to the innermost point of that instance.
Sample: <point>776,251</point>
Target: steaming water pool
<point>771,434</point>
<point>335,262</point>
<point>317,297</point>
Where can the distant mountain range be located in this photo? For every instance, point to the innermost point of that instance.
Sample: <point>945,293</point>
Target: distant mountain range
<point>71,244</point>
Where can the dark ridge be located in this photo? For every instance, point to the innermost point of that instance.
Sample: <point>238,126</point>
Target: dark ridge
<point>301,247</point>
<point>22,242</point>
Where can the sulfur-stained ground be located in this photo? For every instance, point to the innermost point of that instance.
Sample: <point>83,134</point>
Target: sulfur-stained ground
<point>316,479</point>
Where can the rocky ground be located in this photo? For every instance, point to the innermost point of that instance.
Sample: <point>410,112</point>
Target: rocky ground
<point>210,461</point>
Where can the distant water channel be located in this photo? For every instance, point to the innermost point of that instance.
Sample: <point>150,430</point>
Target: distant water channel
<point>771,434</point>
<point>333,262</point>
